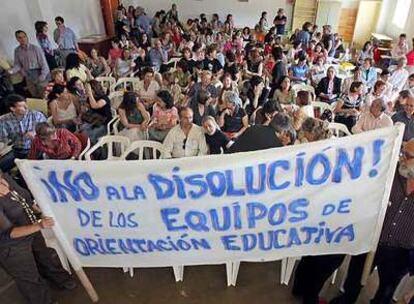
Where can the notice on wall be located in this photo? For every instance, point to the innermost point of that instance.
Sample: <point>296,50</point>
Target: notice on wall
<point>311,199</point>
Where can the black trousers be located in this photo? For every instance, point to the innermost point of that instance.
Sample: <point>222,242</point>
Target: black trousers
<point>312,273</point>
<point>392,264</point>
<point>29,262</point>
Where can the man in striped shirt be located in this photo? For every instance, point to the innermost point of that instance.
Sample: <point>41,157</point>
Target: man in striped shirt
<point>394,257</point>
<point>18,127</point>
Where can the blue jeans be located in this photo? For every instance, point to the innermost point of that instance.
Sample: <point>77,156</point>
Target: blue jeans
<point>7,161</point>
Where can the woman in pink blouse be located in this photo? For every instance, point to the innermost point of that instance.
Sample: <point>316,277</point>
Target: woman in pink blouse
<point>164,116</point>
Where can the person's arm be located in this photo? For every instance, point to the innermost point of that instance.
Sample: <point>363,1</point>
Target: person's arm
<point>221,118</point>
<point>22,231</point>
<point>34,149</point>
<point>168,144</point>
<point>74,39</point>
<point>4,133</point>
<point>107,69</point>
<point>56,36</point>
<point>92,101</point>
<point>74,143</point>
<point>124,120</point>
<point>359,126</point>
<point>17,65</point>
<point>245,125</point>
<point>145,115</point>
<point>338,106</point>
<point>203,148</point>
<point>56,121</point>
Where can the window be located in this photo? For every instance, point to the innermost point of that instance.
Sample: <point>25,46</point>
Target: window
<point>402,9</point>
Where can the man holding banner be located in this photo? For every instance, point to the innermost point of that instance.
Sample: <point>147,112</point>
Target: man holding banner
<point>395,254</point>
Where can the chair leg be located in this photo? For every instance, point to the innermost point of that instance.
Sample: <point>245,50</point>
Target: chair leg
<point>334,277</point>
<point>178,273</point>
<point>283,270</point>
<point>289,270</point>
<point>229,273</point>
<point>235,271</point>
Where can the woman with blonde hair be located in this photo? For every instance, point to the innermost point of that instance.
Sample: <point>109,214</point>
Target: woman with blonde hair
<point>216,140</point>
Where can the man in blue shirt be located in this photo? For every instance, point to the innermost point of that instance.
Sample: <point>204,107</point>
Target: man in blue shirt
<point>143,22</point>
<point>18,127</point>
<point>30,62</point>
<point>157,55</point>
<point>299,72</point>
<point>65,38</point>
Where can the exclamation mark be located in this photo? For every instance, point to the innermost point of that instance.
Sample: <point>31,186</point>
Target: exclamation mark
<point>376,158</point>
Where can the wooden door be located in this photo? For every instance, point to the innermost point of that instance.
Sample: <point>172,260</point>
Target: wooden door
<point>347,22</point>
<point>304,10</point>
<point>109,8</point>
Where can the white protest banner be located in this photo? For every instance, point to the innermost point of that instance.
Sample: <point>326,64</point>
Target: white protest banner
<point>318,198</point>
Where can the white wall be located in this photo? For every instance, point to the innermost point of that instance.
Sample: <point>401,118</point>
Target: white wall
<point>244,13</point>
<point>83,16</point>
<point>385,25</point>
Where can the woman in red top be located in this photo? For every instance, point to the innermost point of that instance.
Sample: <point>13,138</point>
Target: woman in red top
<point>52,143</point>
<point>115,52</point>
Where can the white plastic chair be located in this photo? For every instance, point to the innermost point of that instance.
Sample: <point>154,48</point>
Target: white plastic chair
<point>174,61</point>
<point>303,87</point>
<point>110,124</point>
<point>121,143</point>
<point>108,83</point>
<point>142,148</point>
<point>322,106</point>
<point>52,242</point>
<point>88,146</point>
<point>116,99</point>
<point>157,151</point>
<point>124,82</point>
<point>338,129</point>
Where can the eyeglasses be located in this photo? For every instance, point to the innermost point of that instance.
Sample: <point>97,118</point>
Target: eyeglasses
<point>184,143</point>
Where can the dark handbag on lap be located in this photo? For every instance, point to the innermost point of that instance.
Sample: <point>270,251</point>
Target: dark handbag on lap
<point>93,118</point>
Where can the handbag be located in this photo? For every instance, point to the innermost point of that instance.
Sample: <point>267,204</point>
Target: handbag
<point>93,118</point>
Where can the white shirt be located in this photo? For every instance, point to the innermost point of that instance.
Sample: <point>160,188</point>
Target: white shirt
<point>177,145</point>
<point>398,79</point>
<point>368,122</point>
<point>149,94</point>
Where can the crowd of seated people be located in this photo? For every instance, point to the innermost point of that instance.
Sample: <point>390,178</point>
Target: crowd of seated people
<point>205,87</point>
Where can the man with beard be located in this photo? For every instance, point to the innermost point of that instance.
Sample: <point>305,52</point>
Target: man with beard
<point>395,253</point>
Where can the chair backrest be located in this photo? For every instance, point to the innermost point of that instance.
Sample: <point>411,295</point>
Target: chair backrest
<point>86,144</point>
<point>124,82</point>
<point>108,83</point>
<point>322,106</point>
<point>121,143</point>
<point>338,129</point>
<point>144,148</point>
<point>37,105</point>
<point>116,99</point>
<point>303,87</point>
